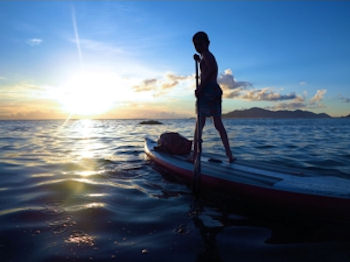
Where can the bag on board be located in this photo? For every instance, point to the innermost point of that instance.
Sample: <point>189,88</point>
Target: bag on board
<point>174,143</point>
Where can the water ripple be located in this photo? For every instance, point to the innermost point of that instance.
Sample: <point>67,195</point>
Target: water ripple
<point>82,190</point>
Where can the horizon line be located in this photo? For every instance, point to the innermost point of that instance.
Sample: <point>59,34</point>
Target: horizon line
<point>164,118</point>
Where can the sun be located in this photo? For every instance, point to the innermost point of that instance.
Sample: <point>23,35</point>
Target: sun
<point>92,93</point>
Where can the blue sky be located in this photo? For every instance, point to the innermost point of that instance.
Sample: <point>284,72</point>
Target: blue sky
<point>133,59</point>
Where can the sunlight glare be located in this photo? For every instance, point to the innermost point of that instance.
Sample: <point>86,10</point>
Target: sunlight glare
<point>92,93</point>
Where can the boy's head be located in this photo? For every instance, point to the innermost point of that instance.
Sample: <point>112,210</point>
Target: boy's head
<point>201,41</point>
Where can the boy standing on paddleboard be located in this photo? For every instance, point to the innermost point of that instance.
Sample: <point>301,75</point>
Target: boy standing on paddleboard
<point>208,92</point>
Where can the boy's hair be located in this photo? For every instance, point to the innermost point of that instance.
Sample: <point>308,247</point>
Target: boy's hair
<point>201,36</point>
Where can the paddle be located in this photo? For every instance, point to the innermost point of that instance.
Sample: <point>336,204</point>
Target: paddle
<point>197,161</point>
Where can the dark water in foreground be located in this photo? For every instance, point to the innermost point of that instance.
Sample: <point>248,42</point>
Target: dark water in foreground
<point>84,191</point>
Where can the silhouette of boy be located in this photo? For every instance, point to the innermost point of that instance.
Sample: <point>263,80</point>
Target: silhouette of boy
<point>208,92</point>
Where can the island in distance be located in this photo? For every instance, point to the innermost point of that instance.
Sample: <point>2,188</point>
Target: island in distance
<point>150,122</point>
<point>257,112</point>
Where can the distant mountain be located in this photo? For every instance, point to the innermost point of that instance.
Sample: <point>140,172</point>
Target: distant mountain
<point>256,112</point>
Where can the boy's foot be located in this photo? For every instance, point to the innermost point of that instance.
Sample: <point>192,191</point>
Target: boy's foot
<point>191,158</point>
<point>230,156</point>
<point>232,159</point>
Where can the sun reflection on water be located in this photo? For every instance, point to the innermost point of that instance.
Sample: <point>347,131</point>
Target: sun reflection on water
<point>81,239</point>
<point>97,195</point>
<point>85,132</point>
<point>87,173</point>
<point>85,206</point>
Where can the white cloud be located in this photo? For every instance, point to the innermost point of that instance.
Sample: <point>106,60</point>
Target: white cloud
<point>146,85</point>
<point>161,85</point>
<point>25,100</point>
<point>171,80</point>
<point>243,90</point>
<point>21,91</point>
<point>266,94</point>
<point>300,102</point>
<point>297,103</point>
<point>230,86</point>
<point>317,98</point>
<point>235,89</point>
<point>34,41</point>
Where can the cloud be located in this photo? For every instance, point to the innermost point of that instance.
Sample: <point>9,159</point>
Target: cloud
<point>317,98</point>
<point>20,91</point>
<point>34,109</point>
<point>232,94</point>
<point>174,77</point>
<point>244,90</point>
<point>300,102</point>
<point>297,103</point>
<point>266,94</point>
<point>2,78</point>
<point>146,85</point>
<point>230,86</point>
<point>172,80</point>
<point>27,101</point>
<point>236,89</point>
<point>34,41</point>
<point>161,85</point>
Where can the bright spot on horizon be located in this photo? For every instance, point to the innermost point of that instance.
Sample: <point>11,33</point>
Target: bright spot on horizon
<point>91,93</point>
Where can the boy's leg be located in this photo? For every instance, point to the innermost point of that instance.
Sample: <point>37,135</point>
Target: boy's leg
<point>222,131</point>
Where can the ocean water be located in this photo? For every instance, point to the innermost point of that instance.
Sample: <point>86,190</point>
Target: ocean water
<point>83,190</point>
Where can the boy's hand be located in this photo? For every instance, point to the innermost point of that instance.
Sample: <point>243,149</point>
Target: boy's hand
<point>197,92</point>
<point>196,57</point>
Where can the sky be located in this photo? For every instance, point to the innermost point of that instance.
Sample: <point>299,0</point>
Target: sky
<point>134,59</point>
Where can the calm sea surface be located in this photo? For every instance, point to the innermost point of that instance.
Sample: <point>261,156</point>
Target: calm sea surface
<point>84,191</point>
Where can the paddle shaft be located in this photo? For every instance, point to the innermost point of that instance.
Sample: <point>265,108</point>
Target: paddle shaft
<point>197,161</point>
